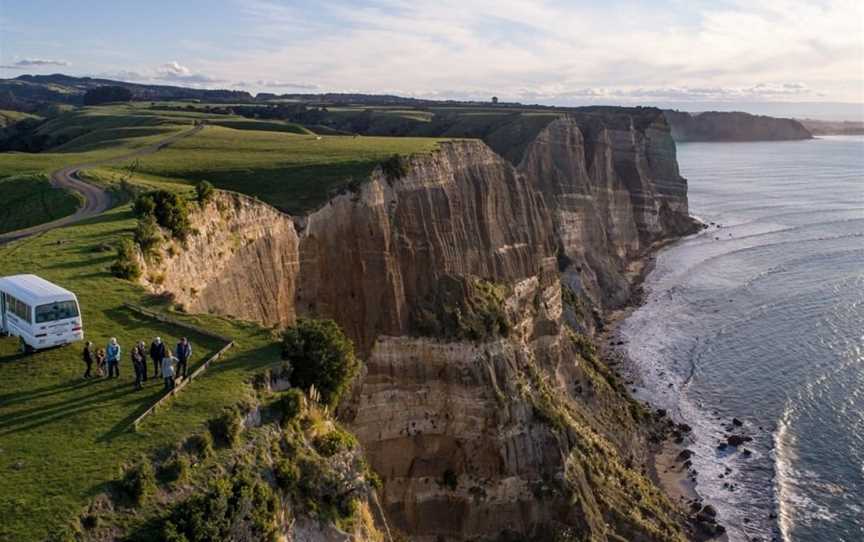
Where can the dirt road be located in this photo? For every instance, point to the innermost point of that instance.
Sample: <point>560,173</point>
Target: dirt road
<point>96,199</point>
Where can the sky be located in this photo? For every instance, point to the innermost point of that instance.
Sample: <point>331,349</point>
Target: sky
<point>729,53</point>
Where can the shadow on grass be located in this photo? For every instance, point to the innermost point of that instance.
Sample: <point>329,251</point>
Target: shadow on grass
<point>27,420</point>
<point>103,260</point>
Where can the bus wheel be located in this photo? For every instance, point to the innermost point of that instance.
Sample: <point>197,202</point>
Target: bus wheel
<point>26,348</point>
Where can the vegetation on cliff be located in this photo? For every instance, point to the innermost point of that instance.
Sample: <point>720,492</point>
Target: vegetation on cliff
<point>463,308</point>
<point>277,472</point>
<point>320,357</point>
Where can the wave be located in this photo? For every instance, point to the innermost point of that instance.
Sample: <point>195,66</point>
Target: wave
<point>784,488</point>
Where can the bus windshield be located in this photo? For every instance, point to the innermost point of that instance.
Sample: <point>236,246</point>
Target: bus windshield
<point>56,311</point>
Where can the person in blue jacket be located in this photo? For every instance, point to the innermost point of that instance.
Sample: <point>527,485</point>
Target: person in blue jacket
<point>112,356</point>
<point>183,353</point>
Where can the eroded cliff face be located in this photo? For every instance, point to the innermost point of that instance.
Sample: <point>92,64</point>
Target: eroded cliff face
<point>512,429</point>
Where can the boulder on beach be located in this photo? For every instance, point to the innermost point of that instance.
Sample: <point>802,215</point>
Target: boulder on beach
<point>737,440</point>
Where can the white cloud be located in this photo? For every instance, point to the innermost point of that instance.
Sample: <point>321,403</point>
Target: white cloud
<point>733,50</point>
<point>177,73</point>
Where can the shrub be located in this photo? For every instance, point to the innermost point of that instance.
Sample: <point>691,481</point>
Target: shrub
<point>144,205</point>
<point>139,481</point>
<point>169,209</point>
<point>236,508</point>
<point>287,474</point>
<point>394,168</point>
<point>147,235</point>
<point>176,469</point>
<point>334,442</point>
<point>126,265</point>
<point>290,405</point>
<point>227,427</point>
<point>204,192</point>
<point>200,445</point>
<point>321,356</point>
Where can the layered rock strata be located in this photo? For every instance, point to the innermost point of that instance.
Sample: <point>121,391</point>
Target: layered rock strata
<point>507,424</point>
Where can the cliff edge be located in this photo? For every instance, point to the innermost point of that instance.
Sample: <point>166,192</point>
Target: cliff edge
<point>471,284</point>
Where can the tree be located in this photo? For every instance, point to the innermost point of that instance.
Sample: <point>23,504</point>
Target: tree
<point>107,94</point>
<point>203,192</point>
<point>169,209</point>
<point>147,234</point>
<point>321,356</point>
<point>494,99</point>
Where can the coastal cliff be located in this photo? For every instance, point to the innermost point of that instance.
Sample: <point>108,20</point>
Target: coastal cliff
<point>470,284</point>
<point>733,126</point>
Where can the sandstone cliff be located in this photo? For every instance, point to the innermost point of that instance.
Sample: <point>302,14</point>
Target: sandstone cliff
<point>733,126</point>
<point>462,282</point>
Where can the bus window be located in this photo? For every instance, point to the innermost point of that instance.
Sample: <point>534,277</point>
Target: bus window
<point>18,308</point>
<point>60,310</point>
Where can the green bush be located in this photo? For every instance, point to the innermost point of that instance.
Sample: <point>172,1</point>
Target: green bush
<point>204,192</point>
<point>321,356</point>
<point>287,474</point>
<point>169,209</point>
<point>144,205</point>
<point>289,405</point>
<point>139,481</point>
<point>200,446</point>
<point>227,427</point>
<point>126,265</point>
<point>147,234</point>
<point>334,442</point>
<point>394,168</point>
<point>176,469</point>
<point>237,508</point>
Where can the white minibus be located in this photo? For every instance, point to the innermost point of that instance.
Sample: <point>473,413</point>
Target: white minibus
<point>39,312</point>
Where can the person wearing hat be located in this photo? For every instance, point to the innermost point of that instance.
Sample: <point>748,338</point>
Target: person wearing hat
<point>157,354</point>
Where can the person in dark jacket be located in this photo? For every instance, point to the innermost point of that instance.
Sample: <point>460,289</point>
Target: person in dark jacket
<point>87,355</point>
<point>183,353</point>
<point>157,354</point>
<point>139,363</point>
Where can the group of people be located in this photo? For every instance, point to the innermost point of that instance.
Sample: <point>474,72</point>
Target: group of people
<point>166,363</point>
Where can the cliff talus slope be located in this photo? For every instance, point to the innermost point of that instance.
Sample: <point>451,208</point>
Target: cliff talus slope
<point>461,280</point>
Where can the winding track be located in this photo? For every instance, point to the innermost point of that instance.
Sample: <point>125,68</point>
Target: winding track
<point>96,200</point>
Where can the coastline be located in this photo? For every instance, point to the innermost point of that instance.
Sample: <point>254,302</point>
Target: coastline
<point>668,461</point>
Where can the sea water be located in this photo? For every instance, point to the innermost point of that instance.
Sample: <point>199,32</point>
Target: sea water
<point>761,317</point>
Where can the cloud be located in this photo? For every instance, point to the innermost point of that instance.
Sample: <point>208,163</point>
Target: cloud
<point>283,84</point>
<point>562,51</point>
<point>177,73</point>
<point>25,63</point>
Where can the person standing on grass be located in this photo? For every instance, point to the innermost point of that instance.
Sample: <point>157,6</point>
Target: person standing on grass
<point>183,352</point>
<point>112,353</point>
<point>168,371</point>
<point>157,354</point>
<point>100,362</point>
<point>139,363</point>
<point>87,355</point>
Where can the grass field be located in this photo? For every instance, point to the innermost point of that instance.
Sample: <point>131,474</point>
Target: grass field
<point>31,200</point>
<point>62,438</point>
<point>294,172</point>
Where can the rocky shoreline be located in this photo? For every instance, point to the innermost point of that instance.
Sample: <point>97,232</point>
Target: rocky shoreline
<point>669,465</point>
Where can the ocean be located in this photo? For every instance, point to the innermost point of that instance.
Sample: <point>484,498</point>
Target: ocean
<point>761,318</point>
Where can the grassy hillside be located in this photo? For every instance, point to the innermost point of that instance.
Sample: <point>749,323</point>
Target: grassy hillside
<point>63,438</point>
<point>293,172</point>
<point>31,200</point>
<point>11,117</point>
